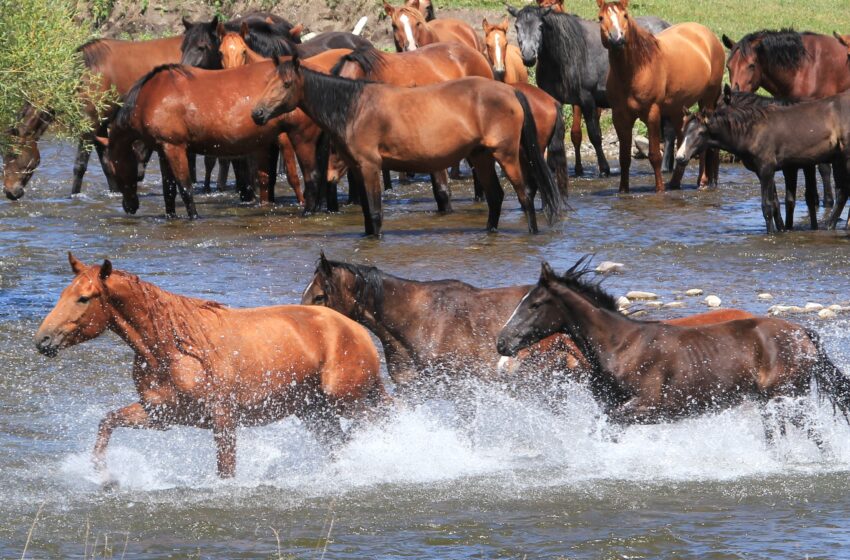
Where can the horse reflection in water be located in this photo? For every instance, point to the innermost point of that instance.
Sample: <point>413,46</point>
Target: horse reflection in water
<point>199,363</point>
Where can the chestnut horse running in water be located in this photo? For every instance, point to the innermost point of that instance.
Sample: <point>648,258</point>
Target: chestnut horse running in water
<point>411,30</point>
<point>666,372</point>
<point>657,76</point>
<point>449,327</point>
<point>363,122</point>
<point>199,363</point>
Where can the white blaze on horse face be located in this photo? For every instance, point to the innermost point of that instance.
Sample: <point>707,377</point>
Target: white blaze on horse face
<point>408,32</point>
<point>525,297</point>
<point>682,149</point>
<point>309,286</point>
<point>498,56</point>
<point>615,19</point>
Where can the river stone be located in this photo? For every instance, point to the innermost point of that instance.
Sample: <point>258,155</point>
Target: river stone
<point>783,309</point>
<point>654,304</point>
<point>636,294</point>
<point>827,314</point>
<point>713,301</point>
<point>674,305</point>
<point>811,306</point>
<point>835,307</point>
<point>623,301</point>
<point>608,267</point>
<point>765,296</point>
<point>694,292</point>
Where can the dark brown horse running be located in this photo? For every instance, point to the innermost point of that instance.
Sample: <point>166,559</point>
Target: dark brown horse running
<point>447,327</point>
<point>792,66</point>
<point>379,126</point>
<point>199,363</point>
<point>666,372</point>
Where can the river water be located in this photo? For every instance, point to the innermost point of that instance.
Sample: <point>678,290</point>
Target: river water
<point>523,481</point>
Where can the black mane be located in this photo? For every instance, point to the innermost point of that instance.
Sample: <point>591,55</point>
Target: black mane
<point>368,58</point>
<point>574,279</point>
<point>330,99</point>
<point>269,40</point>
<point>744,111</point>
<point>94,52</point>
<point>122,119</point>
<point>368,284</point>
<point>563,38</point>
<point>776,49</point>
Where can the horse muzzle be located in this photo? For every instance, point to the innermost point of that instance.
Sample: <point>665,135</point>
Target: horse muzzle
<point>529,61</point>
<point>14,193</point>
<point>130,204</point>
<point>261,115</point>
<point>507,347</point>
<point>48,345</point>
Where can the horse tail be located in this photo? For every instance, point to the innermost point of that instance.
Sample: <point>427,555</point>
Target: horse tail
<point>367,57</point>
<point>829,379</point>
<point>556,153</point>
<point>534,167</point>
<point>122,119</point>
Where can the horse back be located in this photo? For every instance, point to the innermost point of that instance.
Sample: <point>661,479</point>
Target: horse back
<point>694,63</point>
<point>123,63</point>
<point>454,30</point>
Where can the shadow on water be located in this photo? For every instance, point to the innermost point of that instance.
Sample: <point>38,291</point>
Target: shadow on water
<point>523,479</point>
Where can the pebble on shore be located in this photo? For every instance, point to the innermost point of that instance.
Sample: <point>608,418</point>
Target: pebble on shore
<point>765,296</point>
<point>827,314</point>
<point>810,306</point>
<point>609,267</point>
<point>713,301</point>
<point>637,294</point>
<point>694,292</point>
<point>674,305</point>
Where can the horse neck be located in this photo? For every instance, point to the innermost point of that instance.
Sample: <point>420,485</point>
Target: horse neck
<point>389,322</point>
<point>639,51</point>
<point>724,137</point>
<point>328,99</point>
<point>780,82</point>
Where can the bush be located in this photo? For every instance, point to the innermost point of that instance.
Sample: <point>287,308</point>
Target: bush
<point>39,63</point>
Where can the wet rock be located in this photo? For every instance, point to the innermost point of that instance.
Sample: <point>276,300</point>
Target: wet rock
<point>654,304</point>
<point>609,267</point>
<point>765,296</point>
<point>835,307</point>
<point>694,292</point>
<point>785,309</point>
<point>641,150</point>
<point>713,301</point>
<point>674,305</point>
<point>811,306</point>
<point>827,314</point>
<point>637,294</point>
<point>623,302</point>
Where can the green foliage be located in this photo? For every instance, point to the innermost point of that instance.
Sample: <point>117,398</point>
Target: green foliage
<point>39,64</point>
<point>101,10</point>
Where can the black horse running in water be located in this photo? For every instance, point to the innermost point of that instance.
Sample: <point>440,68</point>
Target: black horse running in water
<point>768,138</point>
<point>648,372</point>
<point>572,67</point>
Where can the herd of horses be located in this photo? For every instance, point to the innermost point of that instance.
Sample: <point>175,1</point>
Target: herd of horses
<point>249,91</point>
<point>200,363</point>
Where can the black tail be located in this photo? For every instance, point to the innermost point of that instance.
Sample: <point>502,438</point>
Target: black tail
<point>534,167</point>
<point>830,380</point>
<point>368,58</point>
<point>556,154</point>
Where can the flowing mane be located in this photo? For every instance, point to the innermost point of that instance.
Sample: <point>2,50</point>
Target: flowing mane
<point>740,116</point>
<point>174,317</point>
<point>779,49</point>
<point>368,284</point>
<point>575,280</point>
<point>94,52</point>
<point>369,59</point>
<point>330,99</point>
<point>643,45</point>
<point>122,119</point>
<point>269,40</point>
<point>563,36</point>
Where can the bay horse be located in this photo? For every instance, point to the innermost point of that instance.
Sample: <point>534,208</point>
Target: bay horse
<point>572,67</point>
<point>667,372</point>
<point>411,31</point>
<point>447,327</point>
<point>772,137</point>
<point>202,364</point>
<point>112,65</point>
<point>656,76</point>
<point>790,65</point>
<point>378,125</point>
<point>504,57</point>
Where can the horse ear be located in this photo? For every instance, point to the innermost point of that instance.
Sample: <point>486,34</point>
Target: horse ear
<point>414,4</point>
<point>296,60</point>
<point>324,263</point>
<point>296,31</point>
<point>276,61</point>
<point>243,29</point>
<point>105,269</point>
<point>546,273</point>
<point>842,39</point>
<point>214,22</point>
<point>76,265</point>
<point>505,24</point>
<point>730,44</point>
<point>485,25</point>
<point>513,11</point>
<point>221,30</point>
<point>186,23</point>
<point>625,3</point>
<point>389,10</point>
<point>727,93</point>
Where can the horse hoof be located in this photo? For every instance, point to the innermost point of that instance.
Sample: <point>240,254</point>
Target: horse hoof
<point>579,171</point>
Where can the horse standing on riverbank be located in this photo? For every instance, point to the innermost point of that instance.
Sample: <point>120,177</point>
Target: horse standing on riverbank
<point>657,76</point>
<point>793,66</point>
<point>668,372</point>
<point>504,57</point>
<point>199,363</point>
<point>364,123</point>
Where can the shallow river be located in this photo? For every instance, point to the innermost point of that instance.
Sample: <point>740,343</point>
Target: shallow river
<point>523,481</point>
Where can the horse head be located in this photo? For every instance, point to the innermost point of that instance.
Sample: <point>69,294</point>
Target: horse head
<point>82,312</point>
<point>743,65</point>
<point>282,93</point>
<point>529,31</point>
<point>614,23</point>
<point>537,316</point>
<point>694,136</point>
<point>200,45</point>
<point>496,41</point>
<point>335,285</point>
<point>122,158</point>
<point>233,48</point>
<point>408,25</point>
<point>19,163</point>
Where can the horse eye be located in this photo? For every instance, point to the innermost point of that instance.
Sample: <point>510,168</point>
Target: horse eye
<point>287,84</point>
<point>535,305</point>
<point>320,298</point>
<point>83,299</point>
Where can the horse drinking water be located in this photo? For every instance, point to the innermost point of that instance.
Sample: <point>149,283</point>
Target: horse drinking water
<point>199,363</point>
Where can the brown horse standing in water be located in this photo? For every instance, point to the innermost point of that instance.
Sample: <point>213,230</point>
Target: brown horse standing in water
<point>655,76</point>
<point>504,57</point>
<point>366,121</point>
<point>112,64</point>
<point>199,363</point>
<point>667,372</point>
<point>411,30</point>
<point>449,327</point>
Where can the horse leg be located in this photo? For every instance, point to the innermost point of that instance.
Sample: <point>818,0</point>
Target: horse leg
<point>110,179</point>
<point>802,418</point>
<point>653,125</point>
<point>670,133</point>
<point>243,179</point>
<point>767,422</point>
<point>485,170</point>
<point>477,189</point>
<point>828,191</point>
<point>178,161</point>
<point>513,171</point>
<point>811,195</point>
<point>624,124</point>
<point>224,434</point>
<point>209,164</point>
<point>132,416</point>
<point>322,420</point>
<point>841,174</point>
<point>266,172</point>
<point>223,168</point>
<point>594,132</point>
<point>287,154</point>
<point>790,195</point>
<point>193,174</point>
<point>371,202</point>
<point>81,163</point>
<point>768,193</point>
<point>169,187</point>
<point>388,180</point>
<point>674,125</point>
<point>355,187</point>
<point>143,156</point>
<point>455,171</point>
<point>575,137</point>
<point>442,194</point>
